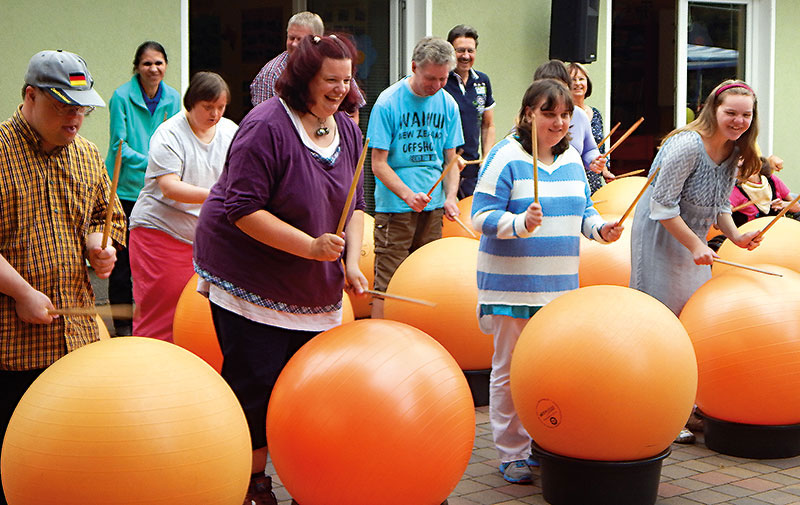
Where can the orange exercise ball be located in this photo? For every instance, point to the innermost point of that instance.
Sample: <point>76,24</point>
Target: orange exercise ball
<point>347,308</point>
<point>745,327</point>
<point>599,383</point>
<point>453,229</point>
<point>102,329</point>
<point>779,246</point>
<point>380,411</point>
<point>366,262</point>
<point>615,197</point>
<point>605,263</point>
<point>127,420</point>
<point>443,272</point>
<point>193,328</point>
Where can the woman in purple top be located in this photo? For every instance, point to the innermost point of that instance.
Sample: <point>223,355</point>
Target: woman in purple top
<point>580,130</point>
<point>265,246</point>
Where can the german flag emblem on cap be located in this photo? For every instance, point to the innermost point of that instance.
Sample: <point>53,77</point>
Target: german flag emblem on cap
<point>77,79</point>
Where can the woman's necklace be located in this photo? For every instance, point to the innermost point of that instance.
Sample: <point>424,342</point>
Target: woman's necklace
<point>322,130</point>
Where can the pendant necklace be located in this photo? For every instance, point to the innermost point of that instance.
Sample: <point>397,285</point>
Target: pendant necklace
<point>322,130</point>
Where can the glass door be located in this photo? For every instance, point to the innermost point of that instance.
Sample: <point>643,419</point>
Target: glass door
<point>714,44</point>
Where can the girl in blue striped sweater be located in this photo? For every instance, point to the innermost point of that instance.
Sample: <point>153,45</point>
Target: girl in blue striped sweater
<point>529,251</point>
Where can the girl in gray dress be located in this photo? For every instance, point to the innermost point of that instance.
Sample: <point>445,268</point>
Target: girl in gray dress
<point>670,258</point>
<point>669,255</point>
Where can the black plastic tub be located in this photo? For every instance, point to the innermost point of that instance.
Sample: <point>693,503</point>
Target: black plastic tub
<point>478,381</point>
<point>753,441</point>
<point>571,481</point>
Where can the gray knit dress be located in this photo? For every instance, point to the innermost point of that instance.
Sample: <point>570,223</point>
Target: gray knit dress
<point>691,185</point>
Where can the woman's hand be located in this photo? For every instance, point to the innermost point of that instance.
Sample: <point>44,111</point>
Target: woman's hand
<point>703,255</point>
<point>598,165</point>
<point>327,247</point>
<point>354,281</point>
<point>611,231</point>
<point>533,216</point>
<point>749,240</point>
<point>607,175</point>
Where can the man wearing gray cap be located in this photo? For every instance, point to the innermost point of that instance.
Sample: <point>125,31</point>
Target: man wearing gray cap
<point>54,192</point>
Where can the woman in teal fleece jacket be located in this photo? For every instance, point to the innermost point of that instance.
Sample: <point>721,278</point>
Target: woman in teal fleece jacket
<point>136,109</point>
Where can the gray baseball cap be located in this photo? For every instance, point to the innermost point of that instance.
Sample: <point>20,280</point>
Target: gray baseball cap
<point>64,75</point>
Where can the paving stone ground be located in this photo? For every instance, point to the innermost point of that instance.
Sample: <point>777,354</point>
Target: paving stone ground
<point>691,475</point>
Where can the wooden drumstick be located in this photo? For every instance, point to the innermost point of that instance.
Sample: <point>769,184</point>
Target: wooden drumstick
<point>353,185</point>
<point>382,294</point>
<point>535,152</point>
<point>775,219</point>
<point>111,195</point>
<point>623,137</point>
<point>747,267</point>
<point>649,180</point>
<point>444,172</point>
<point>628,174</point>
<point>609,135</point>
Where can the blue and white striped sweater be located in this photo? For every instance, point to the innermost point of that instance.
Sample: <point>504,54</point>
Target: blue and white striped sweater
<point>521,268</point>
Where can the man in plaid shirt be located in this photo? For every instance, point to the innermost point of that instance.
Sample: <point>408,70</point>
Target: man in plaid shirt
<point>301,24</point>
<point>54,192</point>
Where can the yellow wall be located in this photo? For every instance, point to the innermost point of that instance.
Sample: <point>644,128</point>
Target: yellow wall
<point>105,33</point>
<point>787,42</point>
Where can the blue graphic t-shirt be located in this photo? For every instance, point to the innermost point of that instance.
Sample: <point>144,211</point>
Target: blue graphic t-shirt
<point>415,131</point>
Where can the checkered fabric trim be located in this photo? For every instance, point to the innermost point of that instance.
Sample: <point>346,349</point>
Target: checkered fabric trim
<point>260,300</point>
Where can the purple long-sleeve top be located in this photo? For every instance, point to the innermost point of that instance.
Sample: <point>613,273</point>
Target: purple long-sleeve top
<point>582,139</point>
<point>269,168</point>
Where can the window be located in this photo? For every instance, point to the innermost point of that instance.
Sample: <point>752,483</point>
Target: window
<point>715,49</point>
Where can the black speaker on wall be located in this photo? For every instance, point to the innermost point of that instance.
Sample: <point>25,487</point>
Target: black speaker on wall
<point>573,30</point>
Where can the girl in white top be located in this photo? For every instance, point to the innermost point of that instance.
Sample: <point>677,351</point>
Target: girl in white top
<point>187,153</point>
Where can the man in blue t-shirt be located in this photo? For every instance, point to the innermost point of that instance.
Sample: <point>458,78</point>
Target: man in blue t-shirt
<point>473,93</point>
<point>413,129</point>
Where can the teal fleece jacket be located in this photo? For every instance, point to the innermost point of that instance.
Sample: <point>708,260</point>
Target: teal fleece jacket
<point>131,122</point>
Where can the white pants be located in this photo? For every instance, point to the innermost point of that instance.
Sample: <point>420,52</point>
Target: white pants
<point>510,438</point>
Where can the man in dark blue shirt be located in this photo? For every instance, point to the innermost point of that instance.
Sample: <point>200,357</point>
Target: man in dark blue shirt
<point>473,93</point>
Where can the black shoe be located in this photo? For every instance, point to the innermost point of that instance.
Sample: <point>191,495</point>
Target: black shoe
<point>259,492</point>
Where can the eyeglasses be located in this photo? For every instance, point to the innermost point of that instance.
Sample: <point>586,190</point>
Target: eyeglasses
<point>63,109</point>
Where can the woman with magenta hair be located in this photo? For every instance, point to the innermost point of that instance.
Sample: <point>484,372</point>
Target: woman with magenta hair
<point>265,246</point>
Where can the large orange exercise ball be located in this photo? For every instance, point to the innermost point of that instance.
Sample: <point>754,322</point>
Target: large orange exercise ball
<point>616,196</point>
<point>102,329</point>
<point>779,246</point>
<point>604,384</point>
<point>347,308</point>
<point>453,229</point>
<point>606,263</point>
<point>745,327</point>
<point>366,262</point>
<point>443,272</point>
<point>193,328</point>
<point>380,410</point>
<point>127,420</point>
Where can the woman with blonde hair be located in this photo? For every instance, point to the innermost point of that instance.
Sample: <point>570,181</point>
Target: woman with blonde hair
<point>670,258</point>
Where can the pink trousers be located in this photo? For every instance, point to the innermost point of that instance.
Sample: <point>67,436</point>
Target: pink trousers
<point>160,266</point>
